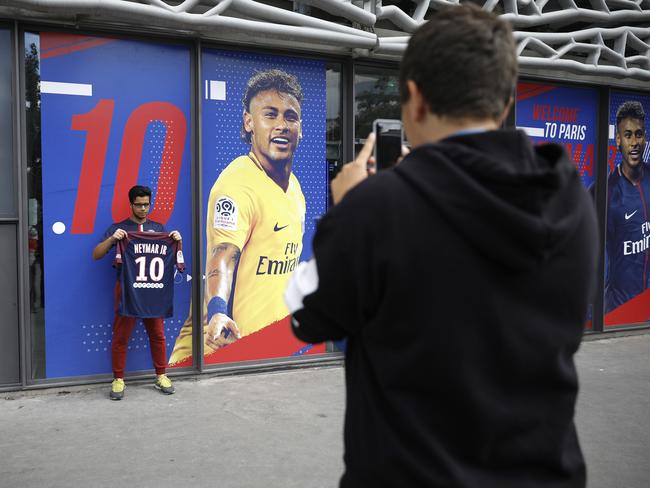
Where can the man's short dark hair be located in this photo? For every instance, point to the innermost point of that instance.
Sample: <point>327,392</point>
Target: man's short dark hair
<point>273,79</point>
<point>464,62</point>
<point>139,191</point>
<point>630,110</point>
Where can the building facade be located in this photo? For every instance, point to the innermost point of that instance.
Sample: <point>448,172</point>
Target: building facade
<point>100,95</point>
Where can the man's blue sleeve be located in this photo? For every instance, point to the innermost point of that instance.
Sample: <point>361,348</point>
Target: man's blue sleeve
<point>109,232</point>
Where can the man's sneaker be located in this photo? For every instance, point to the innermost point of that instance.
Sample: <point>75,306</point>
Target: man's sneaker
<point>117,389</point>
<point>164,384</point>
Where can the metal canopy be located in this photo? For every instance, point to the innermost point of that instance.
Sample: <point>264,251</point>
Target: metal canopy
<point>598,37</point>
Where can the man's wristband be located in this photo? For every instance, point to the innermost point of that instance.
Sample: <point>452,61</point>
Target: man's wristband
<point>217,305</point>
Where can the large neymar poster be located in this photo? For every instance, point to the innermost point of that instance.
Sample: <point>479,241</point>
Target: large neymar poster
<point>627,278</point>
<point>264,186</point>
<point>115,113</point>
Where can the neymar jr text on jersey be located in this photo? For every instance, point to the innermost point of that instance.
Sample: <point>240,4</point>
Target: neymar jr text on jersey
<point>147,248</point>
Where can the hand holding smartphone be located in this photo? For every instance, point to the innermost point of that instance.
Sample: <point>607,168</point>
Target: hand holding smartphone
<point>389,136</point>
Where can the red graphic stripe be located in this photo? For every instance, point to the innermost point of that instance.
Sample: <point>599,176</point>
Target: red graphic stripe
<point>525,88</point>
<point>97,125</point>
<point>634,311</point>
<point>58,45</point>
<point>128,166</point>
<point>51,40</point>
<point>531,90</point>
<point>273,341</point>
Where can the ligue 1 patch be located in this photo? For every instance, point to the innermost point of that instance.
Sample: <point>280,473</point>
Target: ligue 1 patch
<point>225,214</point>
<point>179,257</point>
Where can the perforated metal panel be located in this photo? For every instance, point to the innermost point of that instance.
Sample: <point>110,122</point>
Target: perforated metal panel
<point>599,37</point>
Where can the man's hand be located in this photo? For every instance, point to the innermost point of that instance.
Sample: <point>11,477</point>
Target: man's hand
<point>118,235</point>
<point>221,331</point>
<point>175,235</point>
<point>354,172</point>
<point>103,247</point>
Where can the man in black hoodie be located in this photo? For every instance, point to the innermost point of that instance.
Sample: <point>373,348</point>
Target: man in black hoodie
<point>461,280</point>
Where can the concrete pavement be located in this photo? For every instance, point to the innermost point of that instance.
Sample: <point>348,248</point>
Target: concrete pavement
<point>281,429</point>
<point>612,411</point>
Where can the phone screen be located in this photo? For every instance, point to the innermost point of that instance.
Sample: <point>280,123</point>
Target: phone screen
<point>388,145</point>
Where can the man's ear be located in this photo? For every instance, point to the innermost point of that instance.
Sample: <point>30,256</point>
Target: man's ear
<point>419,105</point>
<point>506,111</point>
<point>248,122</point>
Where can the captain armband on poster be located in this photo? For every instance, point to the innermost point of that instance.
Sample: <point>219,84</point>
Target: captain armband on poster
<point>225,214</point>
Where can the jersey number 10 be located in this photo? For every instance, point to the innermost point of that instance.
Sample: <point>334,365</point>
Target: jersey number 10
<point>156,269</point>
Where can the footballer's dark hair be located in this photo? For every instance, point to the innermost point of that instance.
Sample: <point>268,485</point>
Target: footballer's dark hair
<point>464,62</point>
<point>273,79</point>
<point>630,110</point>
<point>139,191</point>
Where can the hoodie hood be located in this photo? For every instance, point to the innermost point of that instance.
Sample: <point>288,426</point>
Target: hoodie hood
<point>514,202</point>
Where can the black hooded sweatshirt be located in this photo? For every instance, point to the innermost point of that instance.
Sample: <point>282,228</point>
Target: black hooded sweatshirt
<point>461,280</point>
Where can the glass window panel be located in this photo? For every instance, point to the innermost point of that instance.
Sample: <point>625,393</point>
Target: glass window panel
<point>7,179</point>
<point>376,96</point>
<point>334,140</point>
<point>35,200</point>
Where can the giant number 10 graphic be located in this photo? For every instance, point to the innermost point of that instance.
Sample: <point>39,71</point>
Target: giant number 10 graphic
<point>97,125</point>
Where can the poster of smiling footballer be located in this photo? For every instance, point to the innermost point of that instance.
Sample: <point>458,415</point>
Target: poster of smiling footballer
<point>627,298</point>
<point>264,186</point>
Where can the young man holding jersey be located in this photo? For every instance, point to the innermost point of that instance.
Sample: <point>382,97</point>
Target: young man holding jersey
<point>140,204</point>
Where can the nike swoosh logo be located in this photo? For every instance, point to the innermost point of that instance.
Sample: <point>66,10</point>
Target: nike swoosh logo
<point>276,228</point>
<point>630,216</point>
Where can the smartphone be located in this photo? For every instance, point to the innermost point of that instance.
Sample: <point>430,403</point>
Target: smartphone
<point>389,137</point>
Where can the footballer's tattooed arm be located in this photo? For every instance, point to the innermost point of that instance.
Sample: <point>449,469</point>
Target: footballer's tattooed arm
<point>220,270</point>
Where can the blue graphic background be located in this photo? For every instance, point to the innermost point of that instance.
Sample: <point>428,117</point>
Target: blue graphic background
<point>584,99</point>
<point>78,290</point>
<point>222,121</point>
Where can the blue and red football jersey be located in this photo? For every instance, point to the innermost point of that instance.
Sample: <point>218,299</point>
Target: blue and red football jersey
<point>146,263</point>
<point>129,225</point>
<point>628,237</point>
